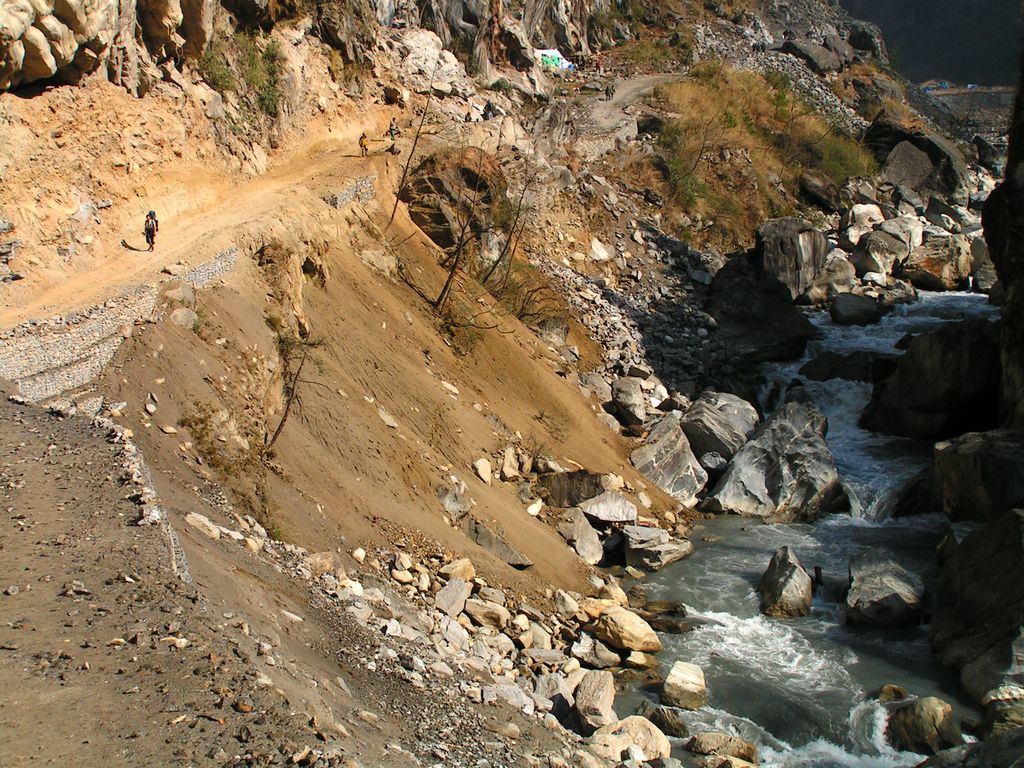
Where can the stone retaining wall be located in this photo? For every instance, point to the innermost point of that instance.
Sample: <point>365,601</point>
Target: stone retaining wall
<point>46,358</point>
<point>359,190</point>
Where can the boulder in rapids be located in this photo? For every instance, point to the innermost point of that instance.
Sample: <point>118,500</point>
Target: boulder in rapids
<point>836,276</point>
<point>941,263</point>
<point>883,593</point>
<point>1000,750</point>
<point>851,309</point>
<point>925,726</point>
<point>852,366</point>
<point>786,589</point>
<point>757,320</point>
<point>685,687</point>
<point>878,253</point>
<point>722,745</point>
<point>784,473</point>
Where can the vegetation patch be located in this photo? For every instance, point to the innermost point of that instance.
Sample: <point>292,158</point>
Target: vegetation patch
<point>735,151</point>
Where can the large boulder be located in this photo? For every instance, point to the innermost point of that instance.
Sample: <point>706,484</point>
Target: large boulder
<point>653,548</point>
<point>836,276</point>
<point>671,720</point>
<point>791,251</point>
<point>629,401</point>
<point>948,176</point>
<point>494,543</point>
<point>567,489</point>
<point>978,622</point>
<point>594,697</point>
<point>613,741</point>
<point>722,745</point>
<point>851,309</point>
<point>667,460</point>
<point>786,589</point>
<point>784,473</point>
<point>685,687</point>
<point>591,652</point>
<point>925,726</point>
<point>622,629</point>
<point>819,58</point>
<point>947,383</point>
<point>981,474</point>
<point>859,220</point>
<point>878,252</point>
<point>907,166</point>
<point>455,193</point>
<point>581,536</point>
<point>609,507</point>
<point>941,263</point>
<point>852,366</point>
<point>718,422</point>
<point>883,593</point>
<point>757,320</point>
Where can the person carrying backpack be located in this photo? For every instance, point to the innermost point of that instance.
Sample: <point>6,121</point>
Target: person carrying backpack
<point>364,145</point>
<point>151,228</point>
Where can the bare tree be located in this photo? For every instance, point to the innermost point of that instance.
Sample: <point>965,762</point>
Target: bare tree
<point>415,141</point>
<point>294,352</point>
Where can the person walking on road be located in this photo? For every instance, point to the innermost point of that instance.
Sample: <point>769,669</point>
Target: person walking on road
<point>364,145</point>
<point>151,228</point>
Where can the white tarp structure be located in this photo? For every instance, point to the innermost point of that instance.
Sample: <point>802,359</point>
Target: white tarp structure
<point>552,57</point>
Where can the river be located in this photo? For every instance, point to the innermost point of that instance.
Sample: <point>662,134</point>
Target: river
<point>800,689</point>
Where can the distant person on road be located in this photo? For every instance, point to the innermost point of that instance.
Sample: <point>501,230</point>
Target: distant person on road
<point>393,130</point>
<point>364,145</point>
<point>151,228</point>
<point>609,91</point>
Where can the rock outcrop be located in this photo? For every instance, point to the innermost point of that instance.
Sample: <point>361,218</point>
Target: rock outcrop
<point>784,473</point>
<point>981,474</point>
<point>978,621</point>
<point>653,548</point>
<point>946,384</point>
<point>1003,220</point>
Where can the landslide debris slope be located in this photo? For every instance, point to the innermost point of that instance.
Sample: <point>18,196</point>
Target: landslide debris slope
<point>323,479</point>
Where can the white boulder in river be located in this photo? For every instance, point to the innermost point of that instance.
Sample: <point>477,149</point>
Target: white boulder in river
<point>685,687</point>
<point>883,593</point>
<point>784,473</point>
<point>786,589</point>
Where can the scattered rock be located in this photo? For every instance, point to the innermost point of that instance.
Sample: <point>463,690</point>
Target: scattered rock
<point>595,696</point>
<point>925,726</point>
<point>621,628</point>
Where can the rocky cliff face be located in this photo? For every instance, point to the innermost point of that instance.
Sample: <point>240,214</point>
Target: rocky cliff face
<point>63,40</point>
<point>1004,232</point>
<point>66,39</point>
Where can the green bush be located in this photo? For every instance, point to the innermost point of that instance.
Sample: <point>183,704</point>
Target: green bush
<point>261,71</point>
<point>215,70</point>
<point>843,158</point>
